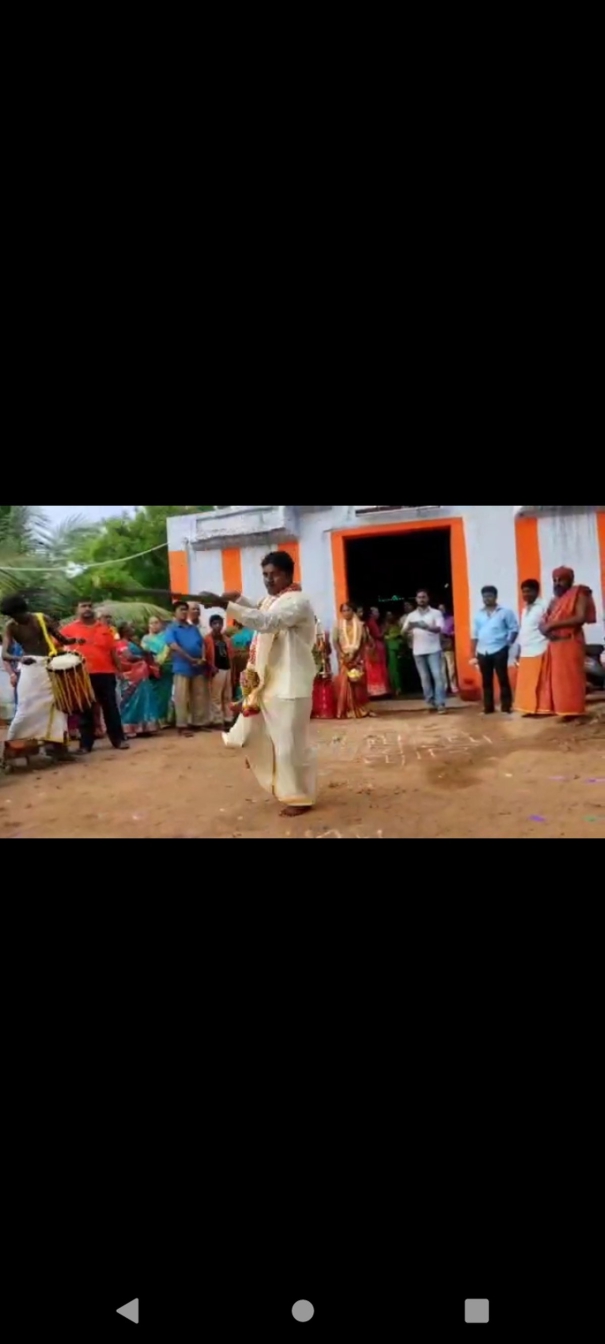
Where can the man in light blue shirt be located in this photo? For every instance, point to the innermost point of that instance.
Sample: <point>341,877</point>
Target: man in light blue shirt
<point>495,630</point>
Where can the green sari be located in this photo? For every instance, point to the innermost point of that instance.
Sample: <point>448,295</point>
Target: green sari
<point>395,643</point>
<point>162,686</point>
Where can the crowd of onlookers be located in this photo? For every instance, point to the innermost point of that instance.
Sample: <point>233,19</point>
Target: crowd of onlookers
<point>173,674</point>
<point>178,674</point>
<point>538,663</point>
<point>383,655</point>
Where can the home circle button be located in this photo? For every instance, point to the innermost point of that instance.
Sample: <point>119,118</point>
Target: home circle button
<point>303,1311</point>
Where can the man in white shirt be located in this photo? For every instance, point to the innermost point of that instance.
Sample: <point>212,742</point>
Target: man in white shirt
<point>426,627</point>
<point>278,685</point>
<point>533,646</point>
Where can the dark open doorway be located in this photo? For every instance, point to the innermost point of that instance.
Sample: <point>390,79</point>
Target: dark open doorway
<point>387,570</point>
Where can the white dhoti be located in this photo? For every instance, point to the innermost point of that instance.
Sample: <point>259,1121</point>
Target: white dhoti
<point>37,718</point>
<point>7,698</point>
<point>277,745</point>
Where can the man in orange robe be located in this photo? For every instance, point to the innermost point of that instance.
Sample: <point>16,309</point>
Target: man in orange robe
<point>563,683</point>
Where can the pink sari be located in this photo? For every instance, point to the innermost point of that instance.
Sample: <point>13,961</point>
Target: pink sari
<point>377,673</point>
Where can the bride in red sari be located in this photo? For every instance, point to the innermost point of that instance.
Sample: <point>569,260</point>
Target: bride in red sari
<point>350,640</point>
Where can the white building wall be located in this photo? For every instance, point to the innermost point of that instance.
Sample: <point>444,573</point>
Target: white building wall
<point>492,551</point>
<point>181,531</point>
<point>316,563</point>
<point>205,567</point>
<point>252,575</point>
<point>316,567</point>
<point>206,571</point>
<point>490,541</point>
<point>572,539</point>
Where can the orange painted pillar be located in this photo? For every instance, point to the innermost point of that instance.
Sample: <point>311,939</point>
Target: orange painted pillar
<point>529,558</point>
<point>293,549</point>
<point>232,570</point>
<point>469,679</point>
<point>529,566</point>
<point>339,567</point>
<point>601,532</point>
<point>179,572</point>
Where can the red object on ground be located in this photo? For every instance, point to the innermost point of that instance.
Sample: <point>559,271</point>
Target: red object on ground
<point>470,691</point>
<point>324,699</point>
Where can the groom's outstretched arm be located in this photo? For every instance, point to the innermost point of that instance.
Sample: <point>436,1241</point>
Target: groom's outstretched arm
<point>210,600</point>
<point>245,602</point>
<point>292,611</point>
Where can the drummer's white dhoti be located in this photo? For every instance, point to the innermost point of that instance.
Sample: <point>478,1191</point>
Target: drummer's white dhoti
<point>37,718</point>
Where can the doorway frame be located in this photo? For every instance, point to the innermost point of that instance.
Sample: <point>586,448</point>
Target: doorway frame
<point>460,575</point>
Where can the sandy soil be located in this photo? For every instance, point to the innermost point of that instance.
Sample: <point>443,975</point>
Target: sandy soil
<point>406,775</point>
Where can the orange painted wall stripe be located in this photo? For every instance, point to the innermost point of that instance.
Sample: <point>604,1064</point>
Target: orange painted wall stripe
<point>339,566</point>
<point>460,579</point>
<point>232,570</point>
<point>179,572</point>
<point>293,549</point>
<point>601,532</point>
<point>461,587</point>
<point>529,558</point>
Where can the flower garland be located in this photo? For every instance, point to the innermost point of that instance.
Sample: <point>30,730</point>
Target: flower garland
<point>250,681</point>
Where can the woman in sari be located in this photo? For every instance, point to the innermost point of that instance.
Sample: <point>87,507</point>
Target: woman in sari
<point>137,704</point>
<point>161,687</point>
<point>350,639</point>
<point>324,699</point>
<point>533,647</point>
<point>241,641</point>
<point>106,617</point>
<point>395,643</point>
<point>562,689</point>
<point>376,657</point>
<point>448,645</point>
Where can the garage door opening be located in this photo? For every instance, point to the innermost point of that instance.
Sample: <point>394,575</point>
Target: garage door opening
<point>387,571</point>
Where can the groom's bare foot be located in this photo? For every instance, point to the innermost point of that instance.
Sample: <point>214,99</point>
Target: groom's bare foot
<point>294,811</point>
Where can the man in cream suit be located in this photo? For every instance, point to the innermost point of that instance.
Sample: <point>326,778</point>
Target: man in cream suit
<point>278,685</point>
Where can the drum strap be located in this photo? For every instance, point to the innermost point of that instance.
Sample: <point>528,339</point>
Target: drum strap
<point>51,645</point>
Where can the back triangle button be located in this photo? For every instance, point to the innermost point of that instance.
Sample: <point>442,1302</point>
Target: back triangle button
<point>130,1311</point>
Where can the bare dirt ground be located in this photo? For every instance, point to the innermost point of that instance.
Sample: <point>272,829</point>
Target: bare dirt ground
<point>400,776</point>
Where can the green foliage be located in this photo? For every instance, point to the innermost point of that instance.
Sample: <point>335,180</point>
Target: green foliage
<point>22,527</point>
<point>129,535</point>
<point>29,542</point>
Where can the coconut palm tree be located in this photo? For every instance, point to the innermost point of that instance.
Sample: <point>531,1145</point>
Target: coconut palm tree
<point>22,526</point>
<point>29,544</point>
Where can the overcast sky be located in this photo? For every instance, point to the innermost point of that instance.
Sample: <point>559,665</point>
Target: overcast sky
<point>59,511</point>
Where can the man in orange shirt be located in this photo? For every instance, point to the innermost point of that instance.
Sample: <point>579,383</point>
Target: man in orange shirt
<point>103,663</point>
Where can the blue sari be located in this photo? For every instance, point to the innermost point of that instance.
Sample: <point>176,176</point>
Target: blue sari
<point>240,643</point>
<point>137,705</point>
<point>162,689</point>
